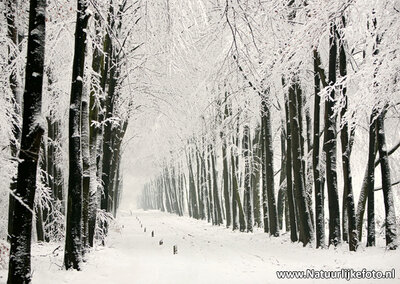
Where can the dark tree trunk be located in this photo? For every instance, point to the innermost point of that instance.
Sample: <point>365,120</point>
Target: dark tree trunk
<point>85,171</point>
<point>300,113</point>
<point>39,224</point>
<point>205,185</point>
<point>306,229</point>
<point>330,146</point>
<point>264,170</point>
<point>226,184</point>
<point>281,206</point>
<point>40,215</point>
<point>319,179</point>
<point>200,186</point>
<point>362,201</point>
<point>269,167</point>
<point>247,187</point>
<point>95,89</point>
<point>118,188</point>
<point>12,34</point>
<point>119,133</point>
<point>225,173</point>
<point>235,224</point>
<point>370,181</point>
<point>20,252</point>
<point>72,254</point>
<point>174,191</point>
<point>107,103</point>
<point>346,151</point>
<point>236,203</point>
<point>217,203</point>
<point>166,189</point>
<point>58,174</point>
<point>282,200</point>
<point>107,141</point>
<point>210,188</point>
<point>390,214</point>
<point>161,193</point>
<point>192,190</point>
<point>50,154</point>
<point>289,181</point>
<point>255,176</point>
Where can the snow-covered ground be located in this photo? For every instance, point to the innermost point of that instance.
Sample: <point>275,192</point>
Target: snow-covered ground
<point>206,254</point>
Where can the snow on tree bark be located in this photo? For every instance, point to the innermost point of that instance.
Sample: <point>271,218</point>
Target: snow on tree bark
<point>318,177</point>
<point>73,240</point>
<point>370,181</point>
<point>255,177</point>
<point>305,225</point>
<point>330,145</point>
<point>247,174</point>
<point>390,214</point>
<point>217,203</point>
<point>269,197</point>
<point>225,169</point>
<point>12,33</point>
<point>31,136</point>
<point>348,196</point>
<point>289,181</point>
<point>85,170</point>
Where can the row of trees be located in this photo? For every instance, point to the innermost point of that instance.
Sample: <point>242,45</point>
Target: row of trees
<point>78,203</point>
<point>226,171</point>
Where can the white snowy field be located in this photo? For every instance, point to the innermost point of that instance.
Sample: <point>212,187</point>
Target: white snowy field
<point>206,254</point>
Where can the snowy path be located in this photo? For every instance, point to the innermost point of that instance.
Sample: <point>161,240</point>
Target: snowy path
<point>206,254</point>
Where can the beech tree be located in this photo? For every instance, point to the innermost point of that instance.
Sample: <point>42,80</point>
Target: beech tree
<point>330,145</point>
<point>31,136</point>
<point>73,245</point>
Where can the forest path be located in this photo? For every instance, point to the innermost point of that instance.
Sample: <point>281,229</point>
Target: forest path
<point>206,254</point>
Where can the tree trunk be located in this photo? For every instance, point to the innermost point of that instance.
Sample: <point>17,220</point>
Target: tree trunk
<point>264,170</point>
<point>269,167</point>
<point>289,182</point>
<point>306,229</point>
<point>282,187</point>
<point>247,187</point>
<point>95,89</point>
<point>390,214</point>
<point>210,188</point>
<point>235,224</point>
<point>200,186</point>
<point>119,133</point>
<point>217,203</point>
<point>205,186</point>
<point>20,252</point>
<point>236,203</point>
<point>225,172</point>
<point>346,151</point>
<point>12,34</point>
<point>319,179</point>
<point>58,174</point>
<point>255,176</point>
<point>370,181</point>
<point>330,146</point>
<point>192,190</point>
<point>72,256</point>
<point>85,171</point>
<point>300,113</point>
<point>107,139</point>
<point>39,224</point>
